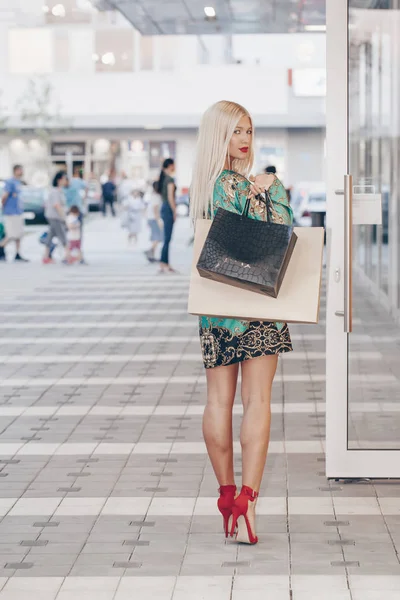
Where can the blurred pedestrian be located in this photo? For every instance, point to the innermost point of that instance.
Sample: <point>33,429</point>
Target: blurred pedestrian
<point>76,194</point>
<point>2,237</point>
<point>55,215</point>
<point>13,212</point>
<point>153,202</point>
<point>133,208</point>
<point>74,233</point>
<point>109,193</point>
<point>125,188</point>
<point>76,190</point>
<point>167,189</point>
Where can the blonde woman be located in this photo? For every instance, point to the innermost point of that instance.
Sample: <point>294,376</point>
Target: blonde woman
<point>225,154</point>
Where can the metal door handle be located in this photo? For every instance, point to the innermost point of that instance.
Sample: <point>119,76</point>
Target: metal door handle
<point>348,253</point>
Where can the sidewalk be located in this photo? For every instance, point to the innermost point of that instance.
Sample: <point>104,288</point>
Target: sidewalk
<point>105,487</point>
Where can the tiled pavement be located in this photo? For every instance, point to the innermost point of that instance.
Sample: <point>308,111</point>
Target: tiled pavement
<point>105,487</point>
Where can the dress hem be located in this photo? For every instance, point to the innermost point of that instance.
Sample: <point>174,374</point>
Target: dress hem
<point>238,359</point>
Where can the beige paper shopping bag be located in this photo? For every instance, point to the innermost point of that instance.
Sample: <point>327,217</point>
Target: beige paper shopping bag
<point>299,297</point>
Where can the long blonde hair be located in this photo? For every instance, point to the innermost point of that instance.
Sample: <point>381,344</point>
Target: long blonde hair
<point>215,133</point>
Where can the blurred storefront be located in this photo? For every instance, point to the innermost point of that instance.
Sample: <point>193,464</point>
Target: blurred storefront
<point>111,85</point>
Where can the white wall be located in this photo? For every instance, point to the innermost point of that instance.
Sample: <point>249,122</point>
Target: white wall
<point>185,92</point>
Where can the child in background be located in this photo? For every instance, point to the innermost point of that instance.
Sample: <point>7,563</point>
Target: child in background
<point>74,232</point>
<point>154,221</point>
<point>133,213</point>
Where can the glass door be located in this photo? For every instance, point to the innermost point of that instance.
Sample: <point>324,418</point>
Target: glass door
<point>363,316</point>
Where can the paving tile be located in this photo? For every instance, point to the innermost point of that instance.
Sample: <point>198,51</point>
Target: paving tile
<point>160,588</point>
<point>316,595</point>
<point>111,400</point>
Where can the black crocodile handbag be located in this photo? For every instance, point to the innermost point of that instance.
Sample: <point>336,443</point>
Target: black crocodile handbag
<point>247,253</point>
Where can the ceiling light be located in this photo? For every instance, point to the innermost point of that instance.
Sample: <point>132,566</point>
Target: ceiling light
<point>315,27</point>
<point>210,12</point>
<point>153,126</point>
<point>108,58</point>
<point>58,10</point>
<point>95,57</point>
<point>45,9</point>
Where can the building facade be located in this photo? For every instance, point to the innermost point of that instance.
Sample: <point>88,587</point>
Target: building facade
<point>114,94</point>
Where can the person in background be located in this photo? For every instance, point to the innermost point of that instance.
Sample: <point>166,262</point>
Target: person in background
<point>13,212</point>
<point>76,191</point>
<point>133,208</point>
<point>74,232</point>
<point>2,236</point>
<point>109,192</point>
<point>153,201</point>
<point>125,188</point>
<point>167,189</point>
<point>55,215</point>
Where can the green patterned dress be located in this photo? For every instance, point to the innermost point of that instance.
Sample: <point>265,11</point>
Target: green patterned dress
<point>228,341</point>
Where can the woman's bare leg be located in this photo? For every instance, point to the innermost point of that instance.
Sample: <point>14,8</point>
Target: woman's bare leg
<point>217,421</point>
<point>257,378</point>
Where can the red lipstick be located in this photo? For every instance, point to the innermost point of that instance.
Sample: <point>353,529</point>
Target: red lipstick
<point>244,149</point>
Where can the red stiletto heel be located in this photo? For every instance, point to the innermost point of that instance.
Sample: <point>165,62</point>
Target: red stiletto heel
<point>240,518</point>
<point>225,503</point>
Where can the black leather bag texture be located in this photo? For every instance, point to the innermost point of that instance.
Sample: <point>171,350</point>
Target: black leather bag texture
<point>247,253</point>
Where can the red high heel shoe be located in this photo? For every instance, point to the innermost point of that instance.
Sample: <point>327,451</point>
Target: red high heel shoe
<point>240,518</point>
<point>225,503</point>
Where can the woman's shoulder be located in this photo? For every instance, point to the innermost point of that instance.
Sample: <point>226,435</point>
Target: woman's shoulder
<point>55,193</point>
<point>231,181</point>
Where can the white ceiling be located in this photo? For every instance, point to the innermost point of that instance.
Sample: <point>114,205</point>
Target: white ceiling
<point>171,17</point>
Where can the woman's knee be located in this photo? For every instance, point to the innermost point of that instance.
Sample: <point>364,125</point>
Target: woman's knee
<point>259,397</point>
<point>220,401</point>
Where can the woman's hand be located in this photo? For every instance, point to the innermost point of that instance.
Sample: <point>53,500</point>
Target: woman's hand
<point>260,183</point>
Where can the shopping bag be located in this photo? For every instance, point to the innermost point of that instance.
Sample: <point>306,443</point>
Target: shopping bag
<point>246,252</point>
<point>299,296</point>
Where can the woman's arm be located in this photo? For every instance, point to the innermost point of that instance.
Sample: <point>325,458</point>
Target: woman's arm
<point>171,196</point>
<point>280,209</point>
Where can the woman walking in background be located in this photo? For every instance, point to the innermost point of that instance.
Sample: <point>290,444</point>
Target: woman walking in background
<point>55,215</point>
<point>225,154</point>
<point>167,190</point>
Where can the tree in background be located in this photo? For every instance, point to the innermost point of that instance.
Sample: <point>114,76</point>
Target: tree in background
<point>39,110</point>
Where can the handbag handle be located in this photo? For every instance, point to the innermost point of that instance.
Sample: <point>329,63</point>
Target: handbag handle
<point>267,201</point>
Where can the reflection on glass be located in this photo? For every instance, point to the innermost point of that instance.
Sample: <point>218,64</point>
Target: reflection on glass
<point>374,347</point>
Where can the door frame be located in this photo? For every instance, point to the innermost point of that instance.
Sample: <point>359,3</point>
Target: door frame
<point>341,462</point>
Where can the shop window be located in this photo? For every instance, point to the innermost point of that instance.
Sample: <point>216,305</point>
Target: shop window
<point>114,50</point>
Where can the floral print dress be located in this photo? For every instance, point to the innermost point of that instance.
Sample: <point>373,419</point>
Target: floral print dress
<point>228,341</point>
